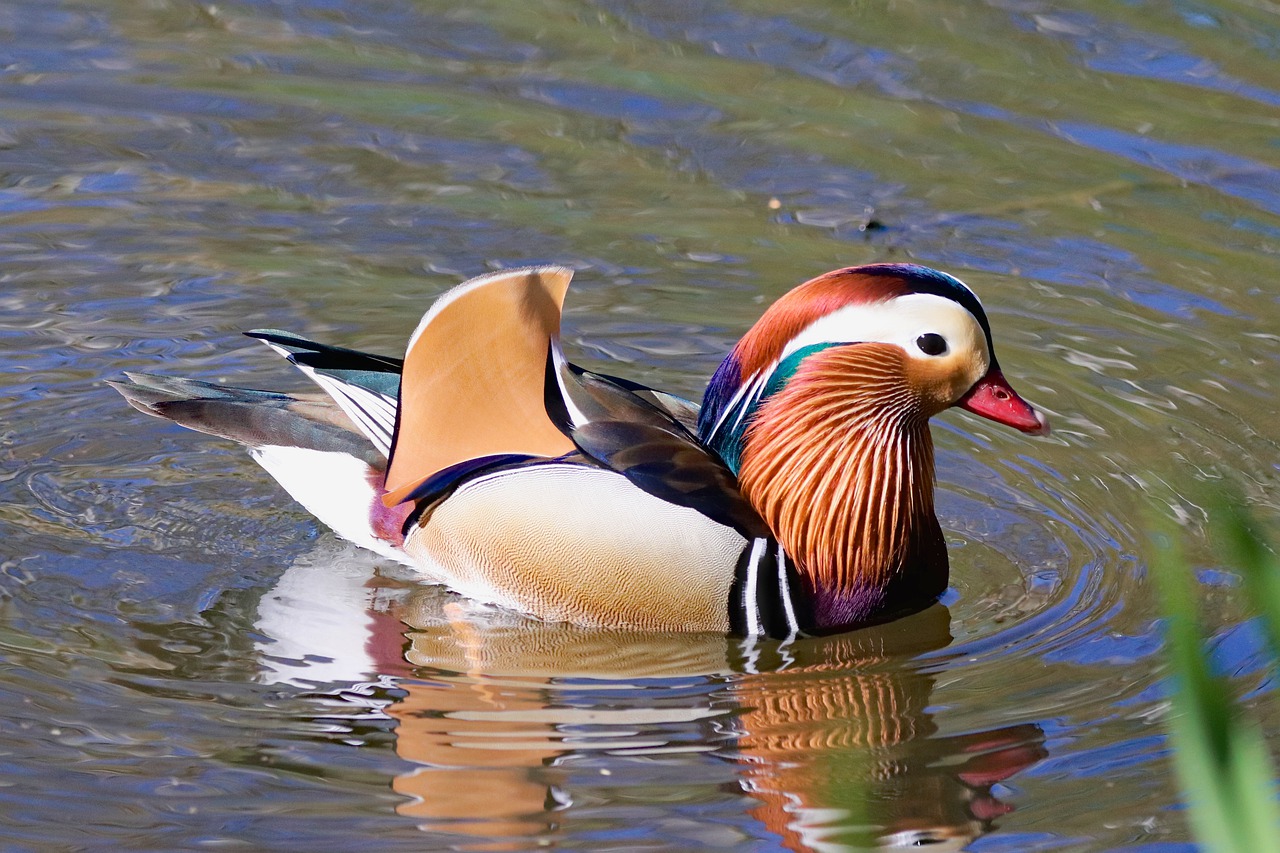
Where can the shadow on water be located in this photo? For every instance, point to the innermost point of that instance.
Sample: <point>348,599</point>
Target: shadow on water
<point>518,731</point>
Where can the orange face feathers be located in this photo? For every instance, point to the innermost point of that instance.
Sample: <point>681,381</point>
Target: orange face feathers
<point>840,464</point>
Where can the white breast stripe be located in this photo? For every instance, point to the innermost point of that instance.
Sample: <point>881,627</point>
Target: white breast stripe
<point>784,591</point>
<point>750,648</point>
<point>750,601</point>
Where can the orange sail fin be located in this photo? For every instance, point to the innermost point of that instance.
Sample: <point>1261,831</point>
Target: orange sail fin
<point>474,375</point>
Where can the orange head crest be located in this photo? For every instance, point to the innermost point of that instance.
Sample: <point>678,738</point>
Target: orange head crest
<point>930,314</point>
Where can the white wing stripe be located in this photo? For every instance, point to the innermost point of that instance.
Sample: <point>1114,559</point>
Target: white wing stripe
<point>752,388</point>
<point>373,413</point>
<point>576,415</point>
<point>368,409</point>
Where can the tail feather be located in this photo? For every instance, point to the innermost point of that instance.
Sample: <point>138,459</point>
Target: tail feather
<point>305,441</point>
<point>366,386</point>
<point>144,389</point>
<point>248,416</point>
<point>379,373</point>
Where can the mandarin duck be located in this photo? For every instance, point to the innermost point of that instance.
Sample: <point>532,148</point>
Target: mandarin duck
<point>797,499</point>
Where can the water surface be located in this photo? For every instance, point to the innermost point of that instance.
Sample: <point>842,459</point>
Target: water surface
<point>190,661</point>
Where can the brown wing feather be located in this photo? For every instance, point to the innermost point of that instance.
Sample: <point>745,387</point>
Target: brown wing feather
<point>473,376</point>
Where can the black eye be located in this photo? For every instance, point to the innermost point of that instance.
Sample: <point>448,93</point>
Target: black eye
<point>932,344</point>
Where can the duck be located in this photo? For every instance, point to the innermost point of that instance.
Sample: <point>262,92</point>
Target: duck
<point>797,499</point>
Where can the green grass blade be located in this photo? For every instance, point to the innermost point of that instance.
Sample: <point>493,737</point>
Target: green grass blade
<point>1244,547</point>
<point>1221,758</point>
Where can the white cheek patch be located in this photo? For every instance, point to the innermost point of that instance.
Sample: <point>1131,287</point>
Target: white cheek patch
<point>900,321</point>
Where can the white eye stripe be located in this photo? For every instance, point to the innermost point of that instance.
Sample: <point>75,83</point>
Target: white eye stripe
<point>900,321</point>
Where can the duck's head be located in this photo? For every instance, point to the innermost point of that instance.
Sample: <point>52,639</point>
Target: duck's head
<point>822,409</point>
<point>933,318</point>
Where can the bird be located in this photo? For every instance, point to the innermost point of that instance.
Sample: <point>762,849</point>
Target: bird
<point>797,499</point>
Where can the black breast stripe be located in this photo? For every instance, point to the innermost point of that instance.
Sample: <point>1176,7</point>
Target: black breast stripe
<point>767,597</point>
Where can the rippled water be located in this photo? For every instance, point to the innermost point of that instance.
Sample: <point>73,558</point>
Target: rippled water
<point>189,661</point>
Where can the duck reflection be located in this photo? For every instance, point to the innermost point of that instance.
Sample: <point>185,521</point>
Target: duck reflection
<point>842,750</point>
<point>501,703</point>
<point>516,727</point>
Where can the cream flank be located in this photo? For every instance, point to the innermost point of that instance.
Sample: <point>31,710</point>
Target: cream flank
<point>577,544</point>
